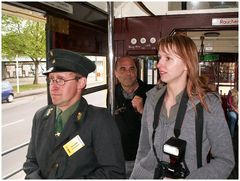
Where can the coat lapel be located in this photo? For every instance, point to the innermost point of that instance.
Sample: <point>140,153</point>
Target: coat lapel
<point>49,125</point>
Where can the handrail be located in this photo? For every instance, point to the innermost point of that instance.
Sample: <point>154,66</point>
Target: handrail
<point>12,174</point>
<point>94,89</point>
<point>9,151</point>
<point>15,148</point>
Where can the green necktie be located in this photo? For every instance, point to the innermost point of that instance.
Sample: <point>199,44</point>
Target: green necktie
<point>59,125</point>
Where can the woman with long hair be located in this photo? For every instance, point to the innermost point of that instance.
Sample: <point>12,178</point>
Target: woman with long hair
<point>168,142</point>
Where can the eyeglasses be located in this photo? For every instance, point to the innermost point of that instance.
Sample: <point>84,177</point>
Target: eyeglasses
<point>60,81</point>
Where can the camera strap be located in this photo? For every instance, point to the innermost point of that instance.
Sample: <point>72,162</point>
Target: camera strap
<point>199,133</point>
<point>179,117</point>
<point>155,122</point>
<point>180,114</point>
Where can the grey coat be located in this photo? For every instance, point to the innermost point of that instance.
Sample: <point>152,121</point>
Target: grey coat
<point>216,136</point>
<point>101,157</point>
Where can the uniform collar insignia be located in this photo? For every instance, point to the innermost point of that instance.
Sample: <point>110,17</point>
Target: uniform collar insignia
<point>57,134</point>
<point>48,112</point>
<point>79,115</point>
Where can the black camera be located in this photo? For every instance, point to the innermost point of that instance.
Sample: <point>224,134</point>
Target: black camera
<point>175,148</point>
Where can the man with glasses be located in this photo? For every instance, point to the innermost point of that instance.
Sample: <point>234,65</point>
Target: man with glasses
<point>130,95</point>
<point>71,139</point>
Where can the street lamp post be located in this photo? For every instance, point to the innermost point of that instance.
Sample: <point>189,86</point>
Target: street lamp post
<point>17,74</point>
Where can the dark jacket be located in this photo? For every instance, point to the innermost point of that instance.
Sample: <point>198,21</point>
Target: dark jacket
<point>101,157</point>
<point>128,119</point>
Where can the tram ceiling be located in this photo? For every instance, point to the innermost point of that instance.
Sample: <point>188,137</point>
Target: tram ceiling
<point>226,41</point>
<point>24,13</point>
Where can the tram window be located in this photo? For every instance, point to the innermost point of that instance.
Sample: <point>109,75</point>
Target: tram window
<point>222,74</point>
<point>98,77</point>
<point>196,5</point>
<point>97,98</point>
<point>226,77</point>
<point>209,70</point>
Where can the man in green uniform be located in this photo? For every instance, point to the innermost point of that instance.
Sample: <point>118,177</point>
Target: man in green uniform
<point>71,139</point>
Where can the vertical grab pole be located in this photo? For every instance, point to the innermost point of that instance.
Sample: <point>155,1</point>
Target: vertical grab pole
<point>50,42</point>
<point>111,82</point>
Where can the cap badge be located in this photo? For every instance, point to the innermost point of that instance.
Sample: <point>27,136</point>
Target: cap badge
<point>51,53</point>
<point>50,69</point>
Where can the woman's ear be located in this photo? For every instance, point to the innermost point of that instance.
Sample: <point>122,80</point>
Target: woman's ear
<point>185,67</point>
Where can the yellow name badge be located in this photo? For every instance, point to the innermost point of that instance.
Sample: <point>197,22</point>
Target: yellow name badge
<point>73,145</point>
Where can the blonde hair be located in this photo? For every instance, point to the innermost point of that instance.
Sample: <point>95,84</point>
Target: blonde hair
<point>184,48</point>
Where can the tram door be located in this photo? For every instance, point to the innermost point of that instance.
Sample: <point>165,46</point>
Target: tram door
<point>84,32</point>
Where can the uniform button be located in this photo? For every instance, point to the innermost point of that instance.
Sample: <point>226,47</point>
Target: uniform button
<point>56,165</point>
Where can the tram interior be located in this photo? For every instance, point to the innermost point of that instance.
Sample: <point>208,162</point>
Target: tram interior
<point>218,46</point>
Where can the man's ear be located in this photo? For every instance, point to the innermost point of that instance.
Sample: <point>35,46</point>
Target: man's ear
<point>116,74</point>
<point>82,82</point>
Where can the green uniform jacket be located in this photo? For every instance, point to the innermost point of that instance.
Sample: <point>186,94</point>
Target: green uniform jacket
<point>101,157</point>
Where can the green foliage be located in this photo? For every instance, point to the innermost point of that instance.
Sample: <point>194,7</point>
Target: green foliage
<point>21,37</point>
